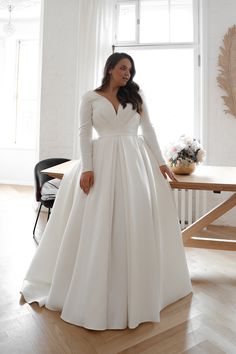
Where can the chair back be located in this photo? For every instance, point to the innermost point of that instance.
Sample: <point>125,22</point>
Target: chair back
<point>41,178</point>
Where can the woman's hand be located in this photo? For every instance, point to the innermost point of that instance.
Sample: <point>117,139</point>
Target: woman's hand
<point>167,172</point>
<point>86,181</point>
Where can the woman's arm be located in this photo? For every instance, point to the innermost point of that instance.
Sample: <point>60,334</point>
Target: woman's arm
<point>151,139</point>
<point>85,134</point>
<point>86,147</point>
<point>149,135</point>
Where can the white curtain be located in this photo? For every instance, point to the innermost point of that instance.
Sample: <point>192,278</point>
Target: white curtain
<point>95,34</point>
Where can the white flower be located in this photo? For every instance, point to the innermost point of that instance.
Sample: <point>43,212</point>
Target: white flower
<point>201,155</point>
<point>195,145</point>
<point>179,147</point>
<point>185,150</point>
<point>175,156</point>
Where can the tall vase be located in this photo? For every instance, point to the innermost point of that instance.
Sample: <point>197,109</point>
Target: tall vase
<point>183,168</point>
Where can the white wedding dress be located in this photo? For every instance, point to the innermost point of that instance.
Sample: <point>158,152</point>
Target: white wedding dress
<point>113,258</point>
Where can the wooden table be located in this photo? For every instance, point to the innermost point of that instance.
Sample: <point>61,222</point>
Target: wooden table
<point>58,171</point>
<point>209,178</point>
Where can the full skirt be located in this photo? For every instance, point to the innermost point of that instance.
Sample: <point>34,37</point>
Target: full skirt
<point>113,258</point>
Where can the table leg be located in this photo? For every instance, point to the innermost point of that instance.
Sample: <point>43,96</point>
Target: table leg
<point>206,220</point>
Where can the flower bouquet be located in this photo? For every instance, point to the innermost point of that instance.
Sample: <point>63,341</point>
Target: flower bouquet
<point>184,154</point>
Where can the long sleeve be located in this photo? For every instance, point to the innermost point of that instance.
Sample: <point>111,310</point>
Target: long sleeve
<point>149,135</point>
<point>85,134</point>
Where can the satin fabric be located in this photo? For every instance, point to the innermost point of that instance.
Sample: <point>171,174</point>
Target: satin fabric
<point>113,258</point>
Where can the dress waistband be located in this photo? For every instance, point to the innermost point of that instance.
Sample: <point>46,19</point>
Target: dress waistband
<point>116,134</point>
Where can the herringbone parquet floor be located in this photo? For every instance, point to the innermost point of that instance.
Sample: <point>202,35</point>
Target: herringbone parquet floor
<point>202,323</point>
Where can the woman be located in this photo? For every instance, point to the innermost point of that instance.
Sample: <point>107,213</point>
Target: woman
<point>111,255</point>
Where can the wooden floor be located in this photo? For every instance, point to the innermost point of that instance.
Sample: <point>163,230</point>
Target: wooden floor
<point>202,323</point>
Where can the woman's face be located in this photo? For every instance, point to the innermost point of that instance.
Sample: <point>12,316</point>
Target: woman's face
<point>120,74</point>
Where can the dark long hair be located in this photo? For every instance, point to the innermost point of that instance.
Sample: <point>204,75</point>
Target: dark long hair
<point>128,93</point>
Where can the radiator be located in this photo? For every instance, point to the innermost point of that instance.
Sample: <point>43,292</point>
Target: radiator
<point>190,204</point>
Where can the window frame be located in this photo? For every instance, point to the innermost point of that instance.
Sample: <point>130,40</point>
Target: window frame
<point>195,45</point>
<point>15,47</point>
<point>18,99</point>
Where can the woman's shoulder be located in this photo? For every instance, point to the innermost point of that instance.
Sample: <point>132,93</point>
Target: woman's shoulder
<point>88,96</point>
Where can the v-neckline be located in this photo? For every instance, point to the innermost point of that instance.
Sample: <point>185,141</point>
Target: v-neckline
<point>114,108</point>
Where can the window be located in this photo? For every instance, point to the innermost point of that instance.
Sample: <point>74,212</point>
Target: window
<point>162,38</point>
<point>18,93</point>
<point>126,20</point>
<point>27,88</point>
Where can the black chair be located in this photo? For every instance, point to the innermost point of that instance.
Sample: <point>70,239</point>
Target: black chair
<point>45,191</point>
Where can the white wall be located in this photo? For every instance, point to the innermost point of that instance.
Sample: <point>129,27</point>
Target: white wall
<point>58,108</point>
<point>221,127</point>
<point>17,166</point>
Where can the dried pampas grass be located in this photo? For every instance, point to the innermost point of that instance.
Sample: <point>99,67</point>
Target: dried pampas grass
<point>227,73</point>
